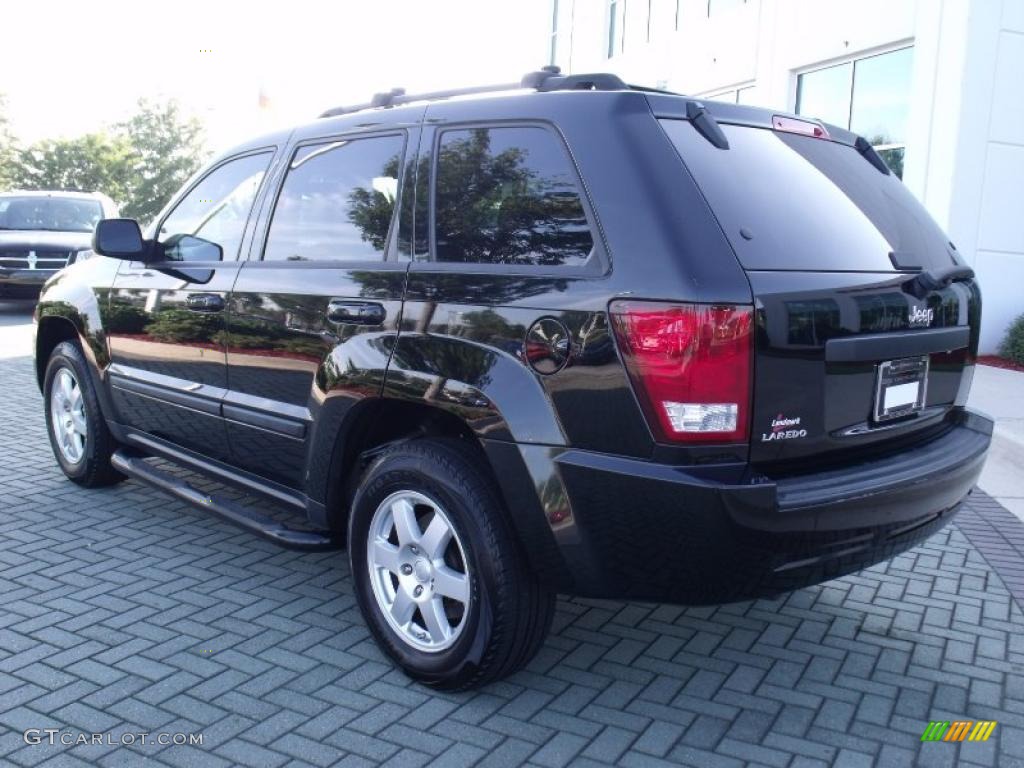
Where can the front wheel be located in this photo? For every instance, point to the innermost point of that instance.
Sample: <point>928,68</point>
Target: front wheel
<point>81,442</point>
<point>439,576</point>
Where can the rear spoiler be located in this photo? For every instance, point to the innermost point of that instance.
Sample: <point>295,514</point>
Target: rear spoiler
<point>706,116</point>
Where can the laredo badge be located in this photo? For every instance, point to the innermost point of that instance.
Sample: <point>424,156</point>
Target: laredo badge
<point>784,428</point>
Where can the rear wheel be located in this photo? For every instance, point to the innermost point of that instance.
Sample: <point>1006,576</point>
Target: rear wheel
<point>79,437</point>
<point>438,573</point>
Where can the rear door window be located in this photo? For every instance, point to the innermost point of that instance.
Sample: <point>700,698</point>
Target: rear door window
<point>807,204</point>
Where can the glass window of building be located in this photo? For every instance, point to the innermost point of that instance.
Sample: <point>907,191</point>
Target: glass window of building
<point>634,23</point>
<point>869,96</point>
<point>662,19</point>
<point>554,31</point>
<point>615,20</point>
<point>745,94</point>
<point>715,7</point>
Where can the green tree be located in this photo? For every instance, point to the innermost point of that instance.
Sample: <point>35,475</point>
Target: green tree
<point>166,148</point>
<point>8,151</point>
<point>93,162</point>
<point>139,163</point>
<point>370,210</point>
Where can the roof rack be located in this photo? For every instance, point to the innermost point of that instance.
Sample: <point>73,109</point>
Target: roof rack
<point>548,78</point>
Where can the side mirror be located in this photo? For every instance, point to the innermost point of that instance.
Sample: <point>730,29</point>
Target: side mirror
<point>119,239</point>
<point>191,248</point>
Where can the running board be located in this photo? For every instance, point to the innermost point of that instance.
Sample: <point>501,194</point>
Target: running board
<point>135,467</point>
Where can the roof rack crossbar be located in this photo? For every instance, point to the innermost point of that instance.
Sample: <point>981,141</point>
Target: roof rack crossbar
<point>547,78</point>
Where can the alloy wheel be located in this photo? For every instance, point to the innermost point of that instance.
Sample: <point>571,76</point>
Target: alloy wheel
<point>419,571</point>
<point>67,415</point>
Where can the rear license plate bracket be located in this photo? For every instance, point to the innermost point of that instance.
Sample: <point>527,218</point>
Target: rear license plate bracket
<point>900,387</point>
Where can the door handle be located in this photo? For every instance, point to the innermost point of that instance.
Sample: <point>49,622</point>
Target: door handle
<point>205,302</point>
<point>356,312</point>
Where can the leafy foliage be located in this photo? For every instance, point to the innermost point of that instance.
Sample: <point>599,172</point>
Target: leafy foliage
<point>1012,347</point>
<point>166,148</point>
<point>180,325</point>
<point>94,162</point>
<point>139,163</point>
<point>7,148</point>
<point>492,207</point>
<point>371,211</point>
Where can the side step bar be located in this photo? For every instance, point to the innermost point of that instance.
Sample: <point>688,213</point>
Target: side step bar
<point>135,467</point>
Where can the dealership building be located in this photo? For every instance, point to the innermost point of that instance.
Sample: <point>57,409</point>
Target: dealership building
<point>936,85</point>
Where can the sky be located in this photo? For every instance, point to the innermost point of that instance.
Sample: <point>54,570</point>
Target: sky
<point>68,68</point>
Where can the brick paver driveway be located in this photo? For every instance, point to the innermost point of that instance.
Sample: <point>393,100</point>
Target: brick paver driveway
<point>123,611</point>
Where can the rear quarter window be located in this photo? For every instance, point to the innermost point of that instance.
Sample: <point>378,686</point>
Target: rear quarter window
<point>807,204</point>
<point>508,195</point>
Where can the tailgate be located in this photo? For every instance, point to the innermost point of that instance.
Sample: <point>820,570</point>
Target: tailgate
<point>866,319</point>
<point>821,344</point>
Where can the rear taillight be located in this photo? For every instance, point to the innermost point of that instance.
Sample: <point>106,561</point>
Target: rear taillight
<point>690,367</point>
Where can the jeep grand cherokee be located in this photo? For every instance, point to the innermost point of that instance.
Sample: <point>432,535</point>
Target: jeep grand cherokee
<point>571,336</point>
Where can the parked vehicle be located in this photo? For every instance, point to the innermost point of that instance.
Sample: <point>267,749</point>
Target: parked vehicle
<point>577,337</point>
<point>42,232</point>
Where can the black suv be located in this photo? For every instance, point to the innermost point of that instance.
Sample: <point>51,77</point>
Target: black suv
<point>573,337</point>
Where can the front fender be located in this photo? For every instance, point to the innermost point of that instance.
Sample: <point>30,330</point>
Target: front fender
<point>76,298</point>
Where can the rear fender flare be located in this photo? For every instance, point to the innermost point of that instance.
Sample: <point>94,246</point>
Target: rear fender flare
<point>490,390</point>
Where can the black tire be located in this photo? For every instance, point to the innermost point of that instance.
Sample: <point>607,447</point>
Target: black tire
<point>93,468</point>
<point>509,612</point>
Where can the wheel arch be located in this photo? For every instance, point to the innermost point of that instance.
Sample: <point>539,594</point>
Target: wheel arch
<point>383,422</point>
<point>60,321</point>
<point>369,428</point>
<point>51,331</point>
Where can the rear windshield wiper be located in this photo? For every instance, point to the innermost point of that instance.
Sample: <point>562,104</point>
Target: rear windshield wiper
<point>705,124</point>
<point>863,146</point>
<point>939,277</point>
<point>934,279</point>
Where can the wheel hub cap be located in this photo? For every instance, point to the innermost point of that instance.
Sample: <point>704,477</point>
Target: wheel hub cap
<point>67,415</point>
<point>418,570</point>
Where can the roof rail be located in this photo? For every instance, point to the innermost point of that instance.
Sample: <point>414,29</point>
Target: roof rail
<point>549,78</point>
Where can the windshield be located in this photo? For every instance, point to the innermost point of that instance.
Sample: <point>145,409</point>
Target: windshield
<point>57,214</point>
<point>807,204</point>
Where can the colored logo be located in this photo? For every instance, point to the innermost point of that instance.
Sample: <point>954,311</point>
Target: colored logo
<point>783,429</point>
<point>958,730</point>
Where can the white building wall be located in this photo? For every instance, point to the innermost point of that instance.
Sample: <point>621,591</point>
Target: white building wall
<point>965,145</point>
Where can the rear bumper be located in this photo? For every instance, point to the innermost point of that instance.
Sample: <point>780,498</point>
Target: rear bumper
<point>708,535</point>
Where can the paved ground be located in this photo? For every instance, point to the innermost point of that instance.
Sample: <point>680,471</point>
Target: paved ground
<point>1000,394</point>
<point>124,611</point>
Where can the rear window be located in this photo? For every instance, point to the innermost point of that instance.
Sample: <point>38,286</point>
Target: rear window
<point>807,204</point>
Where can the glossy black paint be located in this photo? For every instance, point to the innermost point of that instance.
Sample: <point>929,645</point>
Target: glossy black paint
<point>709,535</point>
<point>820,337</point>
<point>156,338</point>
<point>285,395</point>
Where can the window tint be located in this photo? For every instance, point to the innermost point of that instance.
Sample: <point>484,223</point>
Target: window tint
<point>215,211</point>
<point>808,204</point>
<point>508,196</point>
<point>337,201</point>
